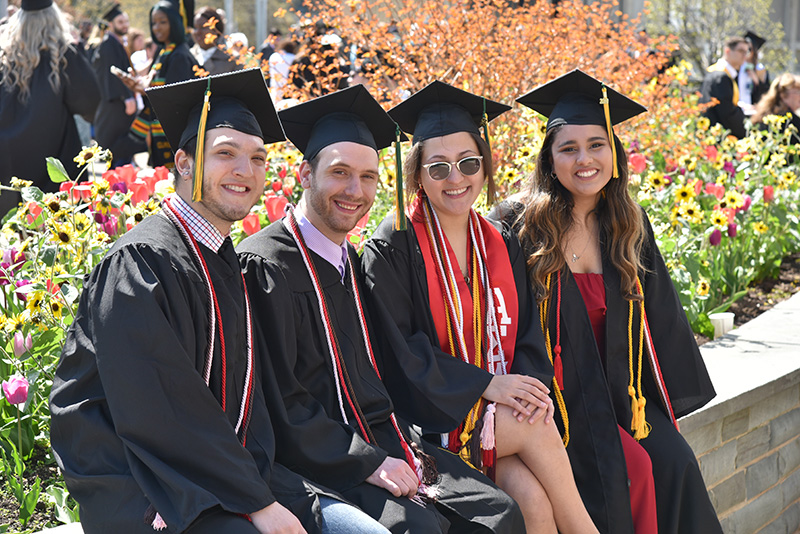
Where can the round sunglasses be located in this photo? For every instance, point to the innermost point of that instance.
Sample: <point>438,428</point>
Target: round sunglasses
<point>440,170</point>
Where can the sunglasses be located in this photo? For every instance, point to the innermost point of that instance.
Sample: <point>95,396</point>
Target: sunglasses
<point>440,170</point>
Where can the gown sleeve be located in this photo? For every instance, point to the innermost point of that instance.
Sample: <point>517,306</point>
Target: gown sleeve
<point>684,371</point>
<point>429,387</point>
<point>180,447</point>
<point>308,440</point>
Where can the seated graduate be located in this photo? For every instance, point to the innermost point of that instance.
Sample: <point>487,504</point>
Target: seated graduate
<point>455,285</point>
<point>333,419</point>
<point>158,415</point>
<point>630,364</point>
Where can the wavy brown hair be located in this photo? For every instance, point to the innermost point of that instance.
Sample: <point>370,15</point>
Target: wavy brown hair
<point>412,168</point>
<point>772,102</point>
<point>23,39</point>
<point>548,218</point>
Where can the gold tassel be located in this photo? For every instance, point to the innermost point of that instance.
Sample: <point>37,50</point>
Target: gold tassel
<point>197,184</point>
<point>604,101</point>
<point>485,125</point>
<point>399,201</point>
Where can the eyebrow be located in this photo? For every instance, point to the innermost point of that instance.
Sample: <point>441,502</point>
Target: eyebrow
<point>234,144</point>
<point>463,153</point>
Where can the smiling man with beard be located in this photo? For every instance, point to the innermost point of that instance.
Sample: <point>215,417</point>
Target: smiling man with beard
<point>333,418</point>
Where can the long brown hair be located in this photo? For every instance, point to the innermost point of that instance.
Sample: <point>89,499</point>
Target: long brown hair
<point>412,168</point>
<point>772,102</point>
<point>548,217</point>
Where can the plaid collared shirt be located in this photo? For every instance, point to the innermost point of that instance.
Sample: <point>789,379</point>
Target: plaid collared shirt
<point>202,230</point>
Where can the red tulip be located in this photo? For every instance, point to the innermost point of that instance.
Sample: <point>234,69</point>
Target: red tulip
<point>277,185</point>
<point>638,162</point>
<point>711,153</point>
<point>275,206</point>
<point>769,193</point>
<point>251,224</point>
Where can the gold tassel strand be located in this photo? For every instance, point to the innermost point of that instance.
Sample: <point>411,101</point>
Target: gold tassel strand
<point>399,201</point>
<point>604,101</point>
<point>197,184</point>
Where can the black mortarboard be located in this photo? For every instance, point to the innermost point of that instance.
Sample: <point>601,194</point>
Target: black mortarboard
<point>350,114</point>
<point>440,109</point>
<point>35,5</point>
<point>755,40</point>
<point>577,98</point>
<point>113,12</point>
<point>238,100</point>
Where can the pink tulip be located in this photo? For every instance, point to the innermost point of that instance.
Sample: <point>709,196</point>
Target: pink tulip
<point>711,153</point>
<point>638,162</point>
<point>275,206</point>
<point>748,201</point>
<point>769,193</point>
<point>251,224</point>
<point>715,238</point>
<point>16,389</point>
<point>22,344</point>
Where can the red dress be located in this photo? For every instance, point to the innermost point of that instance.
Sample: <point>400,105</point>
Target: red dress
<point>637,461</point>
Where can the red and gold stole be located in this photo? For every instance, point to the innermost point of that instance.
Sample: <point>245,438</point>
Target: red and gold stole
<point>474,324</point>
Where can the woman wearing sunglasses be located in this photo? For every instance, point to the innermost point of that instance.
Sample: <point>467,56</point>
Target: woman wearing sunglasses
<point>470,362</point>
<point>626,359</point>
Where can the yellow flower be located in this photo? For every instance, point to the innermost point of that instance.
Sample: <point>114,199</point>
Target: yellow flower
<point>19,183</point>
<point>82,222</point>
<point>722,178</point>
<point>88,154</point>
<point>703,287</point>
<point>99,187</point>
<point>692,211</point>
<point>524,153</point>
<point>684,193</point>
<point>14,324</point>
<point>703,123</point>
<point>787,178</point>
<point>777,160</point>
<point>734,199</point>
<point>656,179</point>
<point>760,227</point>
<point>56,307</point>
<point>510,175</point>
<point>61,233</point>
<point>35,300</point>
<point>719,219</point>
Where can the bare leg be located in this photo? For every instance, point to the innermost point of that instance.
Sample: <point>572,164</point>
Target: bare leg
<point>539,447</point>
<point>514,477</point>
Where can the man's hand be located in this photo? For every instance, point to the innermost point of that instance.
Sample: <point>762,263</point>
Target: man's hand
<point>395,476</point>
<point>130,106</point>
<point>522,393</point>
<point>275,519</point>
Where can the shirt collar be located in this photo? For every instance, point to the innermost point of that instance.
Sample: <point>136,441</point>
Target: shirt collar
<point>315,240</point>
<point>733,73</point>
<point>202,230</point>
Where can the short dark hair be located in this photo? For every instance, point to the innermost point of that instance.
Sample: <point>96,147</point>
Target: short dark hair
<point>732,42</point>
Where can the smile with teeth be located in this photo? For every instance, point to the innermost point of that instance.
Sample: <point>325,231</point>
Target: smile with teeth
<point>455,192</point>
<point>587,173</point>
<point>346,206</point>
<point>235,188</point>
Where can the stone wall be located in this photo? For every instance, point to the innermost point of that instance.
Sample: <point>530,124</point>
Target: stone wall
<point>748,439</point>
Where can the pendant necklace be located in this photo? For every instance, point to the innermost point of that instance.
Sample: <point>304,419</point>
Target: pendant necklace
<point>576,257</point>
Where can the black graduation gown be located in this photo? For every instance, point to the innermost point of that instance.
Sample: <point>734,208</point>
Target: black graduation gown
<point>133,421</point>
<point>717,84</point>
<point>300,390</point>
<point>429,387</point>
<point>596,397</point>
<point>44,126</point>
<point>111,123</point>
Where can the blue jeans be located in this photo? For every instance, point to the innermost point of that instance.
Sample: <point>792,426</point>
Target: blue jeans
<point>341,518</point>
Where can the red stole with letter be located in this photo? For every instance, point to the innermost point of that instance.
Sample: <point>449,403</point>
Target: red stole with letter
<point>471,324</point>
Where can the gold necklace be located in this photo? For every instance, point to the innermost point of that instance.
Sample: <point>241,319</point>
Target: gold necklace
<point>576,257</point>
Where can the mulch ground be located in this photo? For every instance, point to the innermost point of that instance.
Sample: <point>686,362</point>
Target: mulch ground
<point>760,298</point>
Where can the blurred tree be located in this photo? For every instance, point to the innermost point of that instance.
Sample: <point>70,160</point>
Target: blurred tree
<point>701,27</point>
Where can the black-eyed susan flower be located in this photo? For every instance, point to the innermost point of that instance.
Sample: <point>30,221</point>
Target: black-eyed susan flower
<point>703,287</point>
<point>719,219</point>
<point>56,307</point>
<point>656,179</point>
<point>684,193</point>
<point>703,123</point>
<point>88,154</point>
<point>760,227</point>
<point>61,233</point>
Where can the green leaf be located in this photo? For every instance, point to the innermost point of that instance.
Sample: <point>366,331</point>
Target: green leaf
<point>28,504</point>
<point>70,293</point>
<point>31,193</point>
<point>56,170</point>
<point>703,326</point>
<point>48,254</point>
<point>117,200</point>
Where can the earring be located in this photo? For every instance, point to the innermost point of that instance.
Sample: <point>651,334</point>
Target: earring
<point>553,175</point>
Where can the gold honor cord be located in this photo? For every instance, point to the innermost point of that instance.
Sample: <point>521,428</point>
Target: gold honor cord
<point>197,185</point>
<point>604,101</point>
<point>639,425</point>
<point>485,125</point>
<point>562,405</point>
<point>399,203</point>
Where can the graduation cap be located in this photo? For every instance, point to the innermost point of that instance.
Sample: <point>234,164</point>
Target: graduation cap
<point>35,5</point>
<point>238,100</point>
<point>440,109</point>
<point>755,40</point>
<point>577,98</point>
<point>349,115</point>
<point>113,12</point>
